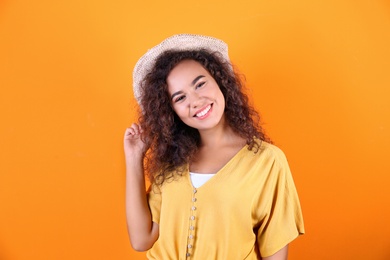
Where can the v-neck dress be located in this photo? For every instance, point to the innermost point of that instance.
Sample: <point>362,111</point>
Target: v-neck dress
<point>249,208</point>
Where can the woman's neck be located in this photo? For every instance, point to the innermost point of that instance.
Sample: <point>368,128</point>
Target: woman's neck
<point>221,136</point>
<point>217,147</point>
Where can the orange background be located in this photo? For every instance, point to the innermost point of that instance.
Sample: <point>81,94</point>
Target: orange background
<point>319,72</point>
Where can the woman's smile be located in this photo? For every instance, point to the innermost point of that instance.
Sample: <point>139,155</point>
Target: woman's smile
<point>204,112</point>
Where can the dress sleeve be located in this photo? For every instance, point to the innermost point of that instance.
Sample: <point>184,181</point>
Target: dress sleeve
<point>281,221</point>
<point>154,201</point>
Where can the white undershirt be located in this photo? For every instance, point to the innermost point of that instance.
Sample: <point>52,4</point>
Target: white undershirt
<point>198,179</point>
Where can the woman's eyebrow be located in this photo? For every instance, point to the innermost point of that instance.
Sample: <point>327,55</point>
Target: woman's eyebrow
<point>176,93</point>
<point>196,79</point>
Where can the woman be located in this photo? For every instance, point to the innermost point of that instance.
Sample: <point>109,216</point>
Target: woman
<point>219,188</point>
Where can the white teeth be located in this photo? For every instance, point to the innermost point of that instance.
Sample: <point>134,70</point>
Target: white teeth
<point>204,112</point>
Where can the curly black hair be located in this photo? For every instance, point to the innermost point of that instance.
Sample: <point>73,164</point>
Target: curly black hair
<point>171,142</point>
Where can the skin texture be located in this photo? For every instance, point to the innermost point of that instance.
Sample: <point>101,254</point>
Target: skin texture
<point>198,102</point>
<point>282,254</point>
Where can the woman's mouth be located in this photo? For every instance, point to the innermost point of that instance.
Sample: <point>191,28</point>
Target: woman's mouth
<point>203,112</point>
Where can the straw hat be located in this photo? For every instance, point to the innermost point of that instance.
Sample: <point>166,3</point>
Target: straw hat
<point>180,42</point>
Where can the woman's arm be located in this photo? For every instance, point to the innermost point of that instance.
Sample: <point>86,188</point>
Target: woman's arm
<point>280,255</point>
<point>142,231</point>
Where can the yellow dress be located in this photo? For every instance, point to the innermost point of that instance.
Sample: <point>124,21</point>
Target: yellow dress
<point>249,208</point>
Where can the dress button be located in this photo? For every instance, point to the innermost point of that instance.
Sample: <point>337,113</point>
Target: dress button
<point>193,208</point>
<point>189,246</point>
<point>190,236</point>
<point>195,190</point>
<point>192,217</point>
<point>192,227</point>
<point>193,199</point>
<point>188,254</point>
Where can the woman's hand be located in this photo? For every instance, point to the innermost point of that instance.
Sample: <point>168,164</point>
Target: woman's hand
<point>134,146</point>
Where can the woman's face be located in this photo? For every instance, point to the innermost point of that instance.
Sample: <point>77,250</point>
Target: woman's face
<point>195,96</point>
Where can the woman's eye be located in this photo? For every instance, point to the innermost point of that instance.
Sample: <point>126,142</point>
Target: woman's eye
<point>179,98</point>
<point>200,84</point>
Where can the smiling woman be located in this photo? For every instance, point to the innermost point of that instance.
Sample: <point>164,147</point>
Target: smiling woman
<point>318,71</point>
<point>196,121</point>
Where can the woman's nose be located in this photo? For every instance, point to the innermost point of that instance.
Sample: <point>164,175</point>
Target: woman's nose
<point>195,100</point>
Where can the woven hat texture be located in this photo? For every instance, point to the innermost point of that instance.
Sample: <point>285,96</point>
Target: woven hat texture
<point>180,42</point>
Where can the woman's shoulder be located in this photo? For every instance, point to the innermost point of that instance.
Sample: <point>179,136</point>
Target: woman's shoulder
<point>268,151</point>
